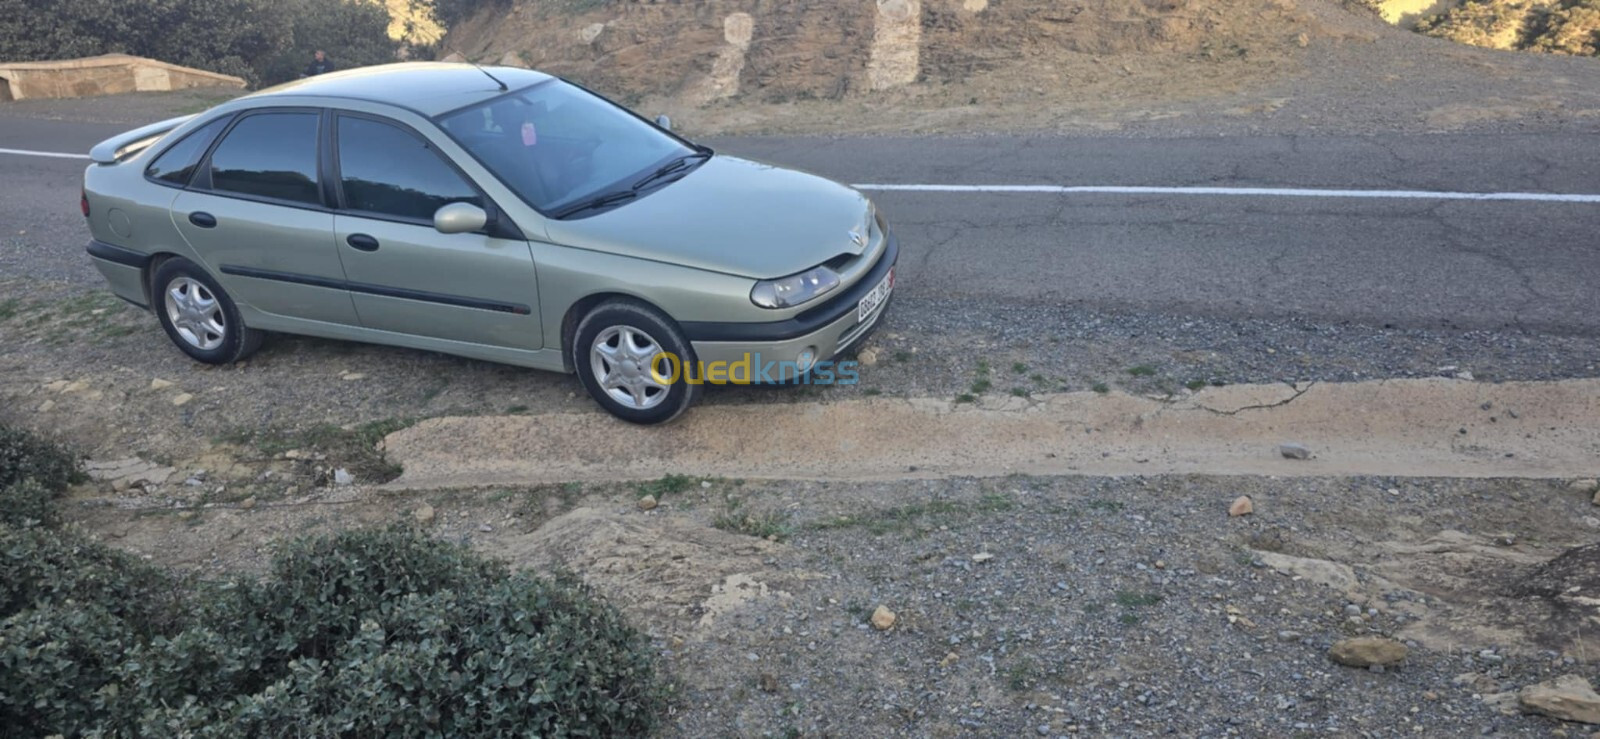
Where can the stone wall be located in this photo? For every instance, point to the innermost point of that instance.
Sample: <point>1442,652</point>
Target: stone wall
<point>110,74</point>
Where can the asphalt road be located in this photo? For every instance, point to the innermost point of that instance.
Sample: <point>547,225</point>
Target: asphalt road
<point>1529,266</point>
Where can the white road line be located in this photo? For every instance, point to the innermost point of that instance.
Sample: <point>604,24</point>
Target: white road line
<point>51,154</point>
<point>1260,192</point>
<point>1265,192</point>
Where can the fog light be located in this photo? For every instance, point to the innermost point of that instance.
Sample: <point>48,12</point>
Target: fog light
<point>806,358</point>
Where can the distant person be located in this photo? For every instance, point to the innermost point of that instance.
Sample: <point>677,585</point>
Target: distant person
<point>319,65</point>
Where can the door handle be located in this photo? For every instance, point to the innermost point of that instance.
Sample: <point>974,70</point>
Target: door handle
<point>203,219</point>
<point>362,242</point>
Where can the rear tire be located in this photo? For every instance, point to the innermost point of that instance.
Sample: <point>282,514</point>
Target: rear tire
<point>199,316</point>
<point>616,351</point>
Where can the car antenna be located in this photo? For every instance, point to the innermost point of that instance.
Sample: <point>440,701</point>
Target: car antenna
<point>474,64</point>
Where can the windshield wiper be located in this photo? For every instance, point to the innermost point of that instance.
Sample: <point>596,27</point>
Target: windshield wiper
<point>596,203</point>
<point>671,167</point>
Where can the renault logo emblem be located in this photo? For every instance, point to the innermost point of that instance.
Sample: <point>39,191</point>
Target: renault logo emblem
<point>857,239</point>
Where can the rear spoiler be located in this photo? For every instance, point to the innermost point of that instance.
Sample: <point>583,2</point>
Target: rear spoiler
<point>124,145</point>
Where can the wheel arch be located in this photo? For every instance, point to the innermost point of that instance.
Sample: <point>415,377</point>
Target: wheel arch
<point>149,277</point>
<point>582,306</point>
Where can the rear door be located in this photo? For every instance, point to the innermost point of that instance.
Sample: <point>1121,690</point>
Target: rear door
<point>404,275</point>
<point>256,214</point>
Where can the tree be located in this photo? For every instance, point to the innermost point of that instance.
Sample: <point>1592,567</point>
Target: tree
<point>263,41</point>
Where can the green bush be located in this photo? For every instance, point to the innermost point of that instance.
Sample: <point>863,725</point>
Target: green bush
<point>451,12</point>
<point>27,503</point>
<point>24,456</point>
<point>39,565</point>
<point>56,662</point>
<point>263,41</point>
<point>380,632</point>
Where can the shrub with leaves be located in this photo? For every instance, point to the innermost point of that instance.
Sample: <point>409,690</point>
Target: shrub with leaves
<point>379,632</point>
<point>24,456</point>
<point>56,663</point>
<point>263,41</point>
<point>451,12</point>
<point>27,503</point>
<point>39,565</point>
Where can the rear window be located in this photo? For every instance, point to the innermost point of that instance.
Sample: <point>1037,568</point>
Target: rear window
<point>176,165</point>
<point>269,155</point>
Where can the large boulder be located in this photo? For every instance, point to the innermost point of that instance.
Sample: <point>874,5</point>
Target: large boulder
<point>1569,698</point>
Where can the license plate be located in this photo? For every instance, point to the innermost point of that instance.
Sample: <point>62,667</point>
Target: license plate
<point>875,298</point>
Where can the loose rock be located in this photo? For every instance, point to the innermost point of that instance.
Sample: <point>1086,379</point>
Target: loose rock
<point>867,357</point>
<point>1242,506</point>
<point>648,502</point>
<point>159,384</point>
<point>882,618</point>
<point>1569,698</point>
<point>1586,485</point>
<point>1367,651</point>
<point>424,515</point>
<point>182,398</point>
<point>1294,451</point>
<point>342,476</point>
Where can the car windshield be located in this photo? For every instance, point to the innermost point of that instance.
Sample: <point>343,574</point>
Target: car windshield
<point>557,145</point>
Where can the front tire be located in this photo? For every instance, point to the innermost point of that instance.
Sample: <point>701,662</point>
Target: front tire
<point>618,350</point>
<point>199,316</point>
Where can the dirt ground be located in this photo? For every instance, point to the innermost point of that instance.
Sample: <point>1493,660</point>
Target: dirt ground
<point>1130,605</point>
<point>1111,604</point>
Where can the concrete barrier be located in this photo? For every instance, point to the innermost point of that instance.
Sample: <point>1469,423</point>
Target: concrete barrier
<point>108,74</point>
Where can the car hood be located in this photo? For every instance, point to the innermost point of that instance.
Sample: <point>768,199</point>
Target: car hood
<point>733,216</point>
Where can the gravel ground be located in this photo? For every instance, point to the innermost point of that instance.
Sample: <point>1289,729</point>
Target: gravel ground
<point>1022,606</point>
<point>938,348</point>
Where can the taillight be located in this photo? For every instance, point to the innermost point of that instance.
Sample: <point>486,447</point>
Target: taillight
<point>84,203</point>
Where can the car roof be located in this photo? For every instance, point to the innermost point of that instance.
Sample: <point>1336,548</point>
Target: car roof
<point>430,88</point>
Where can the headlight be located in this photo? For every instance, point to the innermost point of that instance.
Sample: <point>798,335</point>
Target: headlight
<point>787,292</point>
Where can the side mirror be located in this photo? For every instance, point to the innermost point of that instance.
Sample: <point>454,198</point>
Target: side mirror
<point>460,218</point>
<point>664,122</point>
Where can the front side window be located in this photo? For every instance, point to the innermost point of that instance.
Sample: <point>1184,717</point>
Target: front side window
<point>269,155</point>
<point>176,165</point>
<point>555,144</point>
<point>385,170</point>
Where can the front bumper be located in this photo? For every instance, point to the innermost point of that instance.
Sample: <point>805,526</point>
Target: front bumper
<point>768,351</point>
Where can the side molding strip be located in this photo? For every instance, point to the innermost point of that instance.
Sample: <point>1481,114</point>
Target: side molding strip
<point>388,292</point>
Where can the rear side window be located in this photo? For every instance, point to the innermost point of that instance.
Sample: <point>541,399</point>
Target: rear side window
<point>388,171</point>
<point>176,165</point>
<point>269,155</point>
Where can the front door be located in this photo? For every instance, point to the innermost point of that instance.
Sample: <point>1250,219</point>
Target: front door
<point>404,275</point>
<point>254,214</point>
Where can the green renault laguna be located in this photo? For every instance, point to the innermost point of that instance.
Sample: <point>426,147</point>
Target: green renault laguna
<point>499,213</point>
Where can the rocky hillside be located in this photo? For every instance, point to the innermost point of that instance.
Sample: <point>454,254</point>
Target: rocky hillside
<point>975,66</point>
<point>697,53</point>
<point>1558,26</point>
